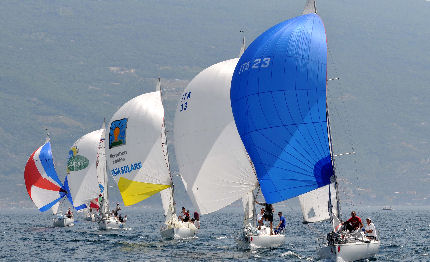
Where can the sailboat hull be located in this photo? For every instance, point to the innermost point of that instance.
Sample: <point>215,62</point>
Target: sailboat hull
<point>64,222</point>
<point>110,223</point>
<point>266,241</point>
<point>181,230</point>
<point>350,251</point>
<point>255,238</point>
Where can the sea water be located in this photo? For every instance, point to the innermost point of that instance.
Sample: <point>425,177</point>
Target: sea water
<point>27,235</point>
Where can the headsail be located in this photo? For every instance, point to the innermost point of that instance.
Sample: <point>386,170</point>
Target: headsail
<point>134,153</point>
<point>41,180</point>
<point>278,97</point>
<point>211,157</point>
<point>81,169</point>
<point>316,205</point>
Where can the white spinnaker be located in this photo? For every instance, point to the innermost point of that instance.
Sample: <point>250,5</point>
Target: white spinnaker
<point>138,163</point>
<point>211,157</point>
<point>83,181</point>
<point>315,204</point>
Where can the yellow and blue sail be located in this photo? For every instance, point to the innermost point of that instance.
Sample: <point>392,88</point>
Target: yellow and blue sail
<point>278,98</point>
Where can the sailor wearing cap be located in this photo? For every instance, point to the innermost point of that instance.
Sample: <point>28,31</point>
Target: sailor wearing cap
<point>369,229</point>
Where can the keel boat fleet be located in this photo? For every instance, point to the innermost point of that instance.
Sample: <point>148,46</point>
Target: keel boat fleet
<point>256,123</point>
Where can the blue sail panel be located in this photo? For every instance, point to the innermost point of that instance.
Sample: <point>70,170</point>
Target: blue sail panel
<point>278,97</point>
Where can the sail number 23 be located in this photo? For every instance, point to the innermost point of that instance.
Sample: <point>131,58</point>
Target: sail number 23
<point>256,64</point>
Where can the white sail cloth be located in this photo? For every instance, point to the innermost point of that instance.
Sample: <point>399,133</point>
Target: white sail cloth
<point>134,148</point>
<point>211,157</point>
<point>315,204</point>
<point>81,168</point>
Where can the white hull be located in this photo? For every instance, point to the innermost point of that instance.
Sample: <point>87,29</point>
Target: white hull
<point>91,217</point>
<point>63,222</point>
<point>350,251</point>
<point>180,230</point>
<point>110,223</point>
<point>262,238</point>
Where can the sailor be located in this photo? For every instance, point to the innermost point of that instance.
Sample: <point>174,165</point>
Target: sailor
<point>260,218</point>
<point>370,229</point>
<point>197,220</point>
<point>281,225</point>
<point>183,213</point>
<point>353,223</point>
<point>69,213</point>
<point>118,208</point>
<point>187,216</point>
<point>268,214</point>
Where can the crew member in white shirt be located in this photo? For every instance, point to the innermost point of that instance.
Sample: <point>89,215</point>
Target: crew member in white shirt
<point>260,218</point>
<point>370,229</point>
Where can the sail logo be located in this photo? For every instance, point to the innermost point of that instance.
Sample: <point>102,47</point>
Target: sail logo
<point>117,133</point>
<point>184,101</point>
<point>126,169</point>
<point>76,162</point>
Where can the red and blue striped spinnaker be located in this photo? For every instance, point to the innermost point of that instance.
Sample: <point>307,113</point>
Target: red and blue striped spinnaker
<point>41,180</point>
<point>278,98</point>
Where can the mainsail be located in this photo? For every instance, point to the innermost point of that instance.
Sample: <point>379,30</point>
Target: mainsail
<point>41,180</point>
<point>81,169</point>
<point>211,157</point>
<point>133,150</point>
<point>278,98</point>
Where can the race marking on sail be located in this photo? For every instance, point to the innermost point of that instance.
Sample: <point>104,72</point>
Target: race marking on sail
<point>256,64</point>
<point>184,101</point>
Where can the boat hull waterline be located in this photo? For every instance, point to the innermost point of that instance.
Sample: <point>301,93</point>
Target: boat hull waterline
<point>350,251</point>
<point>110,223</point>
<point>64,222</point>
<point>182,231</point>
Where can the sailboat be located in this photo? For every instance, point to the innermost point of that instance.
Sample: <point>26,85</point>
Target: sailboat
<point>107,221</point>
<point>212,160</point>
<point>138,159</point>
<point>43,185</point>
<point>82,172</point>
<point>279,104</point>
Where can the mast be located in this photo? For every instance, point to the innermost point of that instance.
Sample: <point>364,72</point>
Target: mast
<point>333,179</point>
<point>242,48</point>
<point>165,148</point>
<point>101,160</point>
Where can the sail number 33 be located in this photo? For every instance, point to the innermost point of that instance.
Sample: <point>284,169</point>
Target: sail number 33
<point>256,64</point>
<point>184,101</point>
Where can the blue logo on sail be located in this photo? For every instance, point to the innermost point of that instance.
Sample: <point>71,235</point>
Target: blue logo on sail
<point>117,133</point>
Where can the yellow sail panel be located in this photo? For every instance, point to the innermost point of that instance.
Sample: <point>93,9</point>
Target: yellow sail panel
<point>133,192</point>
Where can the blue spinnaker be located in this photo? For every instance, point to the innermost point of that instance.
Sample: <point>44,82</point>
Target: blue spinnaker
<point>278,97</point>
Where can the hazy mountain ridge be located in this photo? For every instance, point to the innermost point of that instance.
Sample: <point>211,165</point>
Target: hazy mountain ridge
<point>66,66</point>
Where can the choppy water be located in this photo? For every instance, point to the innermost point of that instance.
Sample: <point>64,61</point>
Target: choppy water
<point>27,235</point>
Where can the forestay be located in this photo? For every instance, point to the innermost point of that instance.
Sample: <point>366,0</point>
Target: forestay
<point>81,169</point>
<point>211,157</point>
<point>134,152</point>
<point>315,204</point>
<point>41,179</point>
<point>278,97</point>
